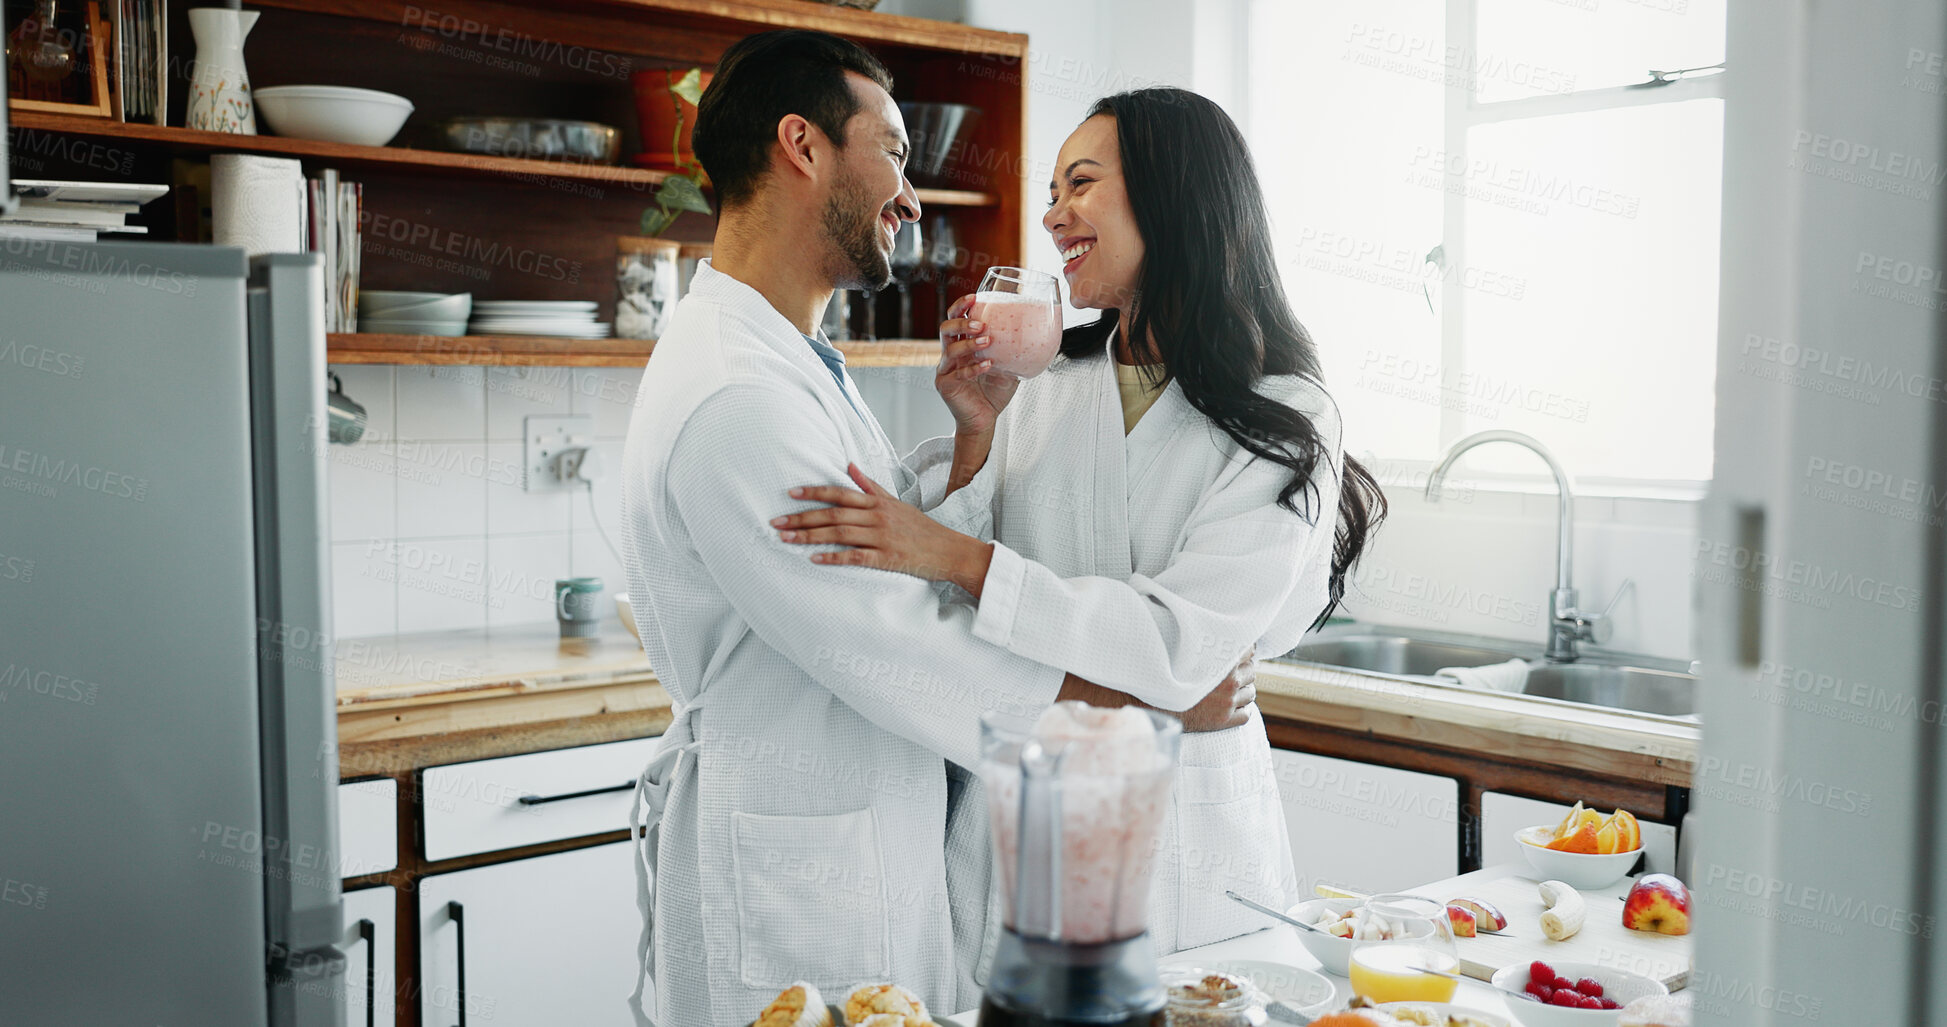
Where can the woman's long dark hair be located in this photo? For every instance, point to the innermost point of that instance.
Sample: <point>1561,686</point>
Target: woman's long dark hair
<point>1210,298</point>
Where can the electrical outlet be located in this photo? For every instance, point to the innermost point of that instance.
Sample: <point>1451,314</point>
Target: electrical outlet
<point>545,438</point>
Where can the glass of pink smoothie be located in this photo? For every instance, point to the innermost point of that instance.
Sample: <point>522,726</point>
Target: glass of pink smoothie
<point>1022,312</point>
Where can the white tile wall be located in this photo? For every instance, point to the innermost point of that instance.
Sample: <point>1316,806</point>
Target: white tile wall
<point>430,526</point>
<point>432,530</point>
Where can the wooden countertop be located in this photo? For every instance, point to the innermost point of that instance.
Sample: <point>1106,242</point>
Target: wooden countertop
<point>410,701</point>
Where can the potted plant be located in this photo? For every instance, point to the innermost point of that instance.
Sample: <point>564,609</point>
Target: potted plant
<point>646,265</point>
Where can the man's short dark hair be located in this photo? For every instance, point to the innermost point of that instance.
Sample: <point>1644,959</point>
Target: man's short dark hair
<point>761,79</point>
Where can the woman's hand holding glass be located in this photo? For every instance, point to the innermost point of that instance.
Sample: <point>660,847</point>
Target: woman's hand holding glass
<point>965,378</point>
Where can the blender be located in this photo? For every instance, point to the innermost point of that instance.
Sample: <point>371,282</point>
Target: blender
<point>1076,800</point>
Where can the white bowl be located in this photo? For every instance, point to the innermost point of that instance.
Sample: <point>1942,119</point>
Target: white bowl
<point>334,114</point>
<point>1305,992</point>
<point>456,307</point>
<point>627,613</point>
<point>379,298</point>
<point>1333,953</point>
<point>1583,870</point>
<point>1446,1009</point>
<point>1621,985</point>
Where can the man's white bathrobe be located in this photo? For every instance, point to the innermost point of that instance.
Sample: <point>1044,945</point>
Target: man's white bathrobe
<point>798,803</point>
<point>1150,563</point>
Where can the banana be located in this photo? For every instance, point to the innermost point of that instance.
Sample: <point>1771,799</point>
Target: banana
<point>1564,912</point>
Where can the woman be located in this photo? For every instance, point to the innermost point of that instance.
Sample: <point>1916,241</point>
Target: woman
<point>1170,494</point>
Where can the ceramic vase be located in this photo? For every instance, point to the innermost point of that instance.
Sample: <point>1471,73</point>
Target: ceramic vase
<point>219,92</point>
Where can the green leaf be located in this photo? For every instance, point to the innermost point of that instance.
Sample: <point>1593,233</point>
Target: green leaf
<point>654,221</point>
<point>690,86</point>
<point>680,192</point>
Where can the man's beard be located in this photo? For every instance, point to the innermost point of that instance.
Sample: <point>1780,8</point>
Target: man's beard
<point>851,222</point>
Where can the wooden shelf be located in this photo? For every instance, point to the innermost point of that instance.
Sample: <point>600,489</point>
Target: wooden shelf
<point>537,351</point>
<point>434,161</point>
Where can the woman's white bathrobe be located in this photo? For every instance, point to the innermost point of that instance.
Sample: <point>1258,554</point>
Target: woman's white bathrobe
<point>1150,564</point>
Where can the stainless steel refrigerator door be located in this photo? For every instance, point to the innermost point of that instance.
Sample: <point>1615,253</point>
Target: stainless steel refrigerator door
<point>299,720</point>
<point>132,845</point>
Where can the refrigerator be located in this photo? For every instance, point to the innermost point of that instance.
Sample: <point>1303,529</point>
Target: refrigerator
<point>1821,792</point>
<point>168,835</point>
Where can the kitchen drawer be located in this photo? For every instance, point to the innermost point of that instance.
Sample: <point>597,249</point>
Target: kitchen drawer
<point>1366,827</point>
<point>1502,815</point>
<point>368,827</point>
<point>477,807</point>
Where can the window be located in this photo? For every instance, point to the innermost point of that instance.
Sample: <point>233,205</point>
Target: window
<point>1488,221</point>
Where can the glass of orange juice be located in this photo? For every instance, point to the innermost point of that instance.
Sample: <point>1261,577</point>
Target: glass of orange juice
<point>1395,937</point>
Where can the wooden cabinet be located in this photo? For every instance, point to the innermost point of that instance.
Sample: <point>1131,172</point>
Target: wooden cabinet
<point>546,940</point>
<point>1366,827</point>
<point>371,956</point>
<point>506,227</point>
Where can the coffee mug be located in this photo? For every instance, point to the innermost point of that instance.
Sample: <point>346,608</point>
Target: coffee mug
<point>346,423</point>
<point>577,606</point>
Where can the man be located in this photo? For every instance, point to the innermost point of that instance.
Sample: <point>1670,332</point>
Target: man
<point>799,804</point>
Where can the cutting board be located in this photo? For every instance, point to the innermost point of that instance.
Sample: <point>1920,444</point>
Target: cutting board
<point>1603,939</point>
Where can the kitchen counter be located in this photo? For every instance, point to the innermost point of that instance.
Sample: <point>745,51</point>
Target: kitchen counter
<point>410,701</point>
<point>1280,944</point>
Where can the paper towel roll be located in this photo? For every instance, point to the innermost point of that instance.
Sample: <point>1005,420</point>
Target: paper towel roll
<point>257,203</point>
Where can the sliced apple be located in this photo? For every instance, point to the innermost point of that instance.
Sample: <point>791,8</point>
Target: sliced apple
<point>1462,920</point>
<point>1488,917</point>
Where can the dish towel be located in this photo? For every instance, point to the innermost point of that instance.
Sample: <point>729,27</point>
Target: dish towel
<point>1511,676</point>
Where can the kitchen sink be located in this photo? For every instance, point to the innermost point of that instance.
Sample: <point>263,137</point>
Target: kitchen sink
<point>1619,681</point>
<point>1398,654</point>
<point>1667,693</point>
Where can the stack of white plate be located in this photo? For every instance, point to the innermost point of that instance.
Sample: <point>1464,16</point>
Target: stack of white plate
<point>573,319</point>
<point>414,313</point>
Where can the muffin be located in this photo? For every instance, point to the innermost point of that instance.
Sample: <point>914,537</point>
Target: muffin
<point>868,999</point>
<point>799,1005</point>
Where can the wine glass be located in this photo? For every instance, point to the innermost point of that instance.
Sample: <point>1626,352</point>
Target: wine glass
<point>908,251</point>
<point>1394,938</point>
<point>1021,310</point>
<point>941,248</point>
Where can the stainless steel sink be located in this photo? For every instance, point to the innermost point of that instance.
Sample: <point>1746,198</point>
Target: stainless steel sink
<point>1662,692</point>
<point>1620,681</point>
<point>1398,654</point>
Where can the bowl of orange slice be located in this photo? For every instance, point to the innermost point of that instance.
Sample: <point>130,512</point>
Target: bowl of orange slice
<point>1586,850</point>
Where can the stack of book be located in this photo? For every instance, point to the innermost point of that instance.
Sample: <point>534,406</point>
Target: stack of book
<point>331,229</point>
<point>76,211</point>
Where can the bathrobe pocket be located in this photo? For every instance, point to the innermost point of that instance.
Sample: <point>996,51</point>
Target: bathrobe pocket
<point>811,899</point>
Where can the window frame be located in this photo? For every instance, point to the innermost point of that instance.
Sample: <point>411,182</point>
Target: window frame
<point>1463,112</point>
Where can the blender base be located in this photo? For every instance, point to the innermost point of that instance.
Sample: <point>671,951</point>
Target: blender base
<point>1041,983</point>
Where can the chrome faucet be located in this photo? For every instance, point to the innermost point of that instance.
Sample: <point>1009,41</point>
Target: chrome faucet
<point>1567,625</point>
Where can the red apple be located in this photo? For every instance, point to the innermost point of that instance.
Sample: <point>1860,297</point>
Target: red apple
<point>1489,918</point>
<point>1463,920</point>
<point>1658,903</point>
